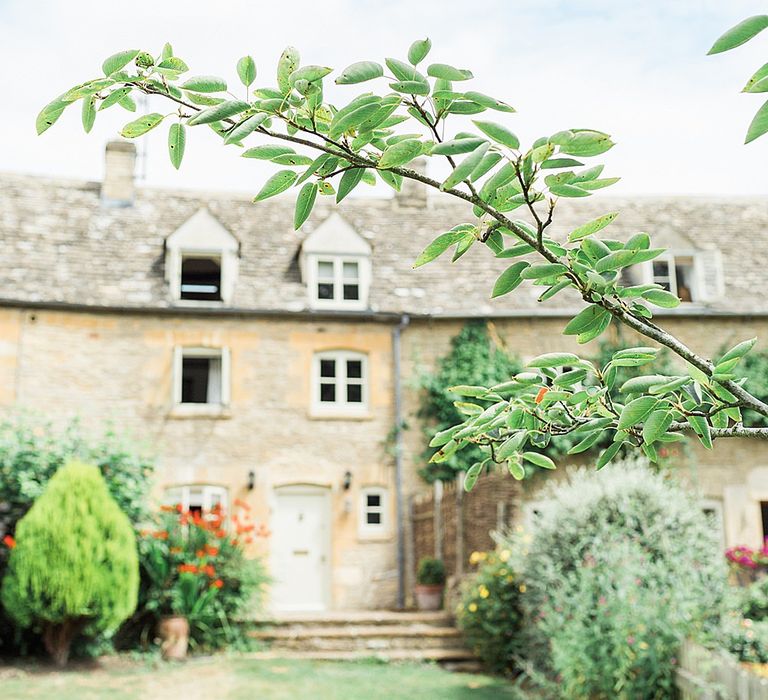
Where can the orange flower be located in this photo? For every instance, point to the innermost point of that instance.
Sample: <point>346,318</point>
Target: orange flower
<point>249,540</point>
<point>161,535</point>
<point>218,583</point>
<point>167,509</point>
<point>263,531</point>
<point>9,542</point>
<point>199,553</point>
<point>220,533</point>
<point>175,550</point>
<point>187,569</point>
<point>541,394</point>
<point>179,507</point>
<point>211,551</point>
<point>242,504</point>
<point>208,570</point>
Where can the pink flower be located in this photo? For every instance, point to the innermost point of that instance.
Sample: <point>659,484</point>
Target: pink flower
<point>630,640</point>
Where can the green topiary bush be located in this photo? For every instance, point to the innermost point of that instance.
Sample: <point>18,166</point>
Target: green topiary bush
<point>489,613</point>
<point>621,566</point>
<point>74,566</point>
<point>431,572</point>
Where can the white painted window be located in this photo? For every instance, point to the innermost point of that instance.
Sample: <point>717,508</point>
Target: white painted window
<point>201,376</point>
<point>200,277</point>
<point>340,380</point>
<point>373,511</point>
<point>202,498</point>
<point>338,282</point>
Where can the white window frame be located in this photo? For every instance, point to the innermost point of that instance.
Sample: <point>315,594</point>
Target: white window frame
<point>218,256</point>
<point>646,276</point>
<point>340,406</point>
<point>338,301</point>
<point>365,528</point>
<point>185,496</point>
<point>222,354</point>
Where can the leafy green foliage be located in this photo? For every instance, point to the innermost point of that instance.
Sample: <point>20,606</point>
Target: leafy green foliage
<point>74,566</point>
<point>430,572</point>
<point>620,567</point>
<point>754,367</point>
<point>489,614</point>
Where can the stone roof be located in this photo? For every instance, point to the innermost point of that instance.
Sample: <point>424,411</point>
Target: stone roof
<point>61,246</point>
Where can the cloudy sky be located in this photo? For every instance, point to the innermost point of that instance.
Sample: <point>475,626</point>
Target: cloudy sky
<point>636,70</point>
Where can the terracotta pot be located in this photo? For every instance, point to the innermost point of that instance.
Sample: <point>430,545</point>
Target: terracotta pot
<point>429,597</point>
<point>173,631</point>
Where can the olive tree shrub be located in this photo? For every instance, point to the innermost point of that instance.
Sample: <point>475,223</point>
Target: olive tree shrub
<point>410,110</point>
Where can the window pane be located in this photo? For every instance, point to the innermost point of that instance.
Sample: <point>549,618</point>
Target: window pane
<point>328,392</point>
<point>350,271</point>
<point>325,271</point>
<point>354,393</point>
<point>351,292</point>
<point>373,518</point>
<point>194,379</point>
<point>684,278</point>
<point>327,368</point>
<point>354,369</point>
<point>373,499</point>
<point>201,278</point>
<point>325,290</point>
<point>661,268</point>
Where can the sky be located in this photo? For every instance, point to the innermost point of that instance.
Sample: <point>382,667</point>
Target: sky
<point>636,70</point>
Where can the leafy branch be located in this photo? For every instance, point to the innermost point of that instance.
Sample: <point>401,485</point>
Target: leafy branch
<point>369,137</point>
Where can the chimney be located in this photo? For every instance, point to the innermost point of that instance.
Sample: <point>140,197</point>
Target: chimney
<point>414,193</point>
<point>117,190</point>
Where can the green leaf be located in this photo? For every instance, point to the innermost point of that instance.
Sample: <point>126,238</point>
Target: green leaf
<point>177,139</point>
<point>114,97</point>
<point>404,72</point>
<point>566,190</point>
<point>738,351</point>
<point>509,279</point>
<point>586,443</point>
<point>467,166</point>
<point>304,203</point>
<point>267,152</point>
<point>245,128</point>
<point>585,319</point>
<point>662,298</point>
<point>204,83</point>
<point>394,180</point>
<point>554,359</point>
<point>349,180</point>
<point>446,72</point>
<point>294,159</point>
<point>89,113</point>
<point>49,115</point>
<point>399,154</point>
<point>554,163</point>
<point>226,109</point>
<point>418,51</point>
<point>456,147</point>
<point>246,70</point>
<point>607,455</point>
<point>516,469</point>
<point>701,428</point>
<point>309,73</point>
<point>360,72</point>
<point>657,424</point>
<point>498,133</point>
<point>118,61</point>
<point>639,385</point>
<point>586,143</point>
<point>636,411</point>
<point>758,77</point>
<point>543,271</point>
<point>759,124</point>
<point>539,460</point>
<point>411,87</point>
<point>345,121</point>
<point>141,125</point>
<point>471,476</point>
<point>276,184</point>
<point>441,244</point>
<point>286,65</point>
<point>592,226</point>
<point>489,102</point>
<point>511,445</point>
<point>740,34</point>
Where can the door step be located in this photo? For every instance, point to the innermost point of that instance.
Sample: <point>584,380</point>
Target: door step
<point>437,655</point>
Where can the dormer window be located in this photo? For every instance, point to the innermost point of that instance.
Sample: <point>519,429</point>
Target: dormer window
<point>336,266</point>
<point>200,278</point>
<point>201,262</point>
<point>676,274</point>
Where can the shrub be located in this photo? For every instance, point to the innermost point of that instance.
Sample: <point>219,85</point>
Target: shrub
<point>621,566</point>
<point>489,613</point>
<point>194,565</point>
<point>746,639</point>
<point>431,572</point>
<point>74,566</point>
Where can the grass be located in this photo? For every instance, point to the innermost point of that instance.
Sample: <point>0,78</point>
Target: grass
<point>241,678</point>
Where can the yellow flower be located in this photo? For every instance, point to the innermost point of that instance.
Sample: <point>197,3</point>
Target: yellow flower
<point>504,554</point>
<point>510,579</point>
<point>476,557</point>
<point>483,591</point>
<point>502,572</point>
<point>522,588</point>
<point>643,645</point>
<point>472,607</point>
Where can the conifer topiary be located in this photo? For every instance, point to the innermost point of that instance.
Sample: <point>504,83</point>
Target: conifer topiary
<point>74,566</point>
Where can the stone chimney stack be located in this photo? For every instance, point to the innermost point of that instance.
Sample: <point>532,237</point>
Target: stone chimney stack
<point>414,193</point>
<point>118,189</point>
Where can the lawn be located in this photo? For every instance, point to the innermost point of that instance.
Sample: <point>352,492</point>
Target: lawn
<point>240,678</point>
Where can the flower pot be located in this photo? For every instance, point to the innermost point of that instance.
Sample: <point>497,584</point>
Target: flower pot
<point>173,631</point>
<point>429,597</point>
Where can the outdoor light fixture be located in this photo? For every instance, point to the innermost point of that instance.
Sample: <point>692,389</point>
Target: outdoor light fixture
<point>251,480</point>
<point>347,481</point>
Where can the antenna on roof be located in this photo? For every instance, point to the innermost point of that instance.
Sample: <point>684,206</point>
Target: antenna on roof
<point>141,170</point>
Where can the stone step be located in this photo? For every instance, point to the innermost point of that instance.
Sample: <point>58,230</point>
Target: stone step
<point>439,655</point>
<point>340,618</point>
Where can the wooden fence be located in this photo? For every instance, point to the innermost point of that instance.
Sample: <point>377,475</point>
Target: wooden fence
<point>709,675</point>
<point>449,524</point>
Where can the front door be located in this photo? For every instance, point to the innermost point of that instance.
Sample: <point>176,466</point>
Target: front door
<point>300,548</point>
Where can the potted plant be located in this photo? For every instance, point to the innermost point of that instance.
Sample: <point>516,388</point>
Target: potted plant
<point>430,582</point>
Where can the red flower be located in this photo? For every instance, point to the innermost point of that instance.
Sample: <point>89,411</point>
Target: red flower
<point>208,570</point>
<point>541,394</point>
<point>9,542</point>
<point>199,553</point>
<point>220,533</point>
<point>218,583</point>
<point>187,569</point>
<point>211,551</point>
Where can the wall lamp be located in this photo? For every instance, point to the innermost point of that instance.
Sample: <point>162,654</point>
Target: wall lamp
<point>347,480</point>
<point>251,480</point>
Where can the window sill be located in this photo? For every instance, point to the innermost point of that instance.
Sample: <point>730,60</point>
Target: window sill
<point>339,414</point>
<point>374,538</point>
<point>200,410</point>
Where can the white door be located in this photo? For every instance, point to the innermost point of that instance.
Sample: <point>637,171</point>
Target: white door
<point>301,548</point>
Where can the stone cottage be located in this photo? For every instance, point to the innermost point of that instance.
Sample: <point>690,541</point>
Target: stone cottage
<point>271,366</point>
